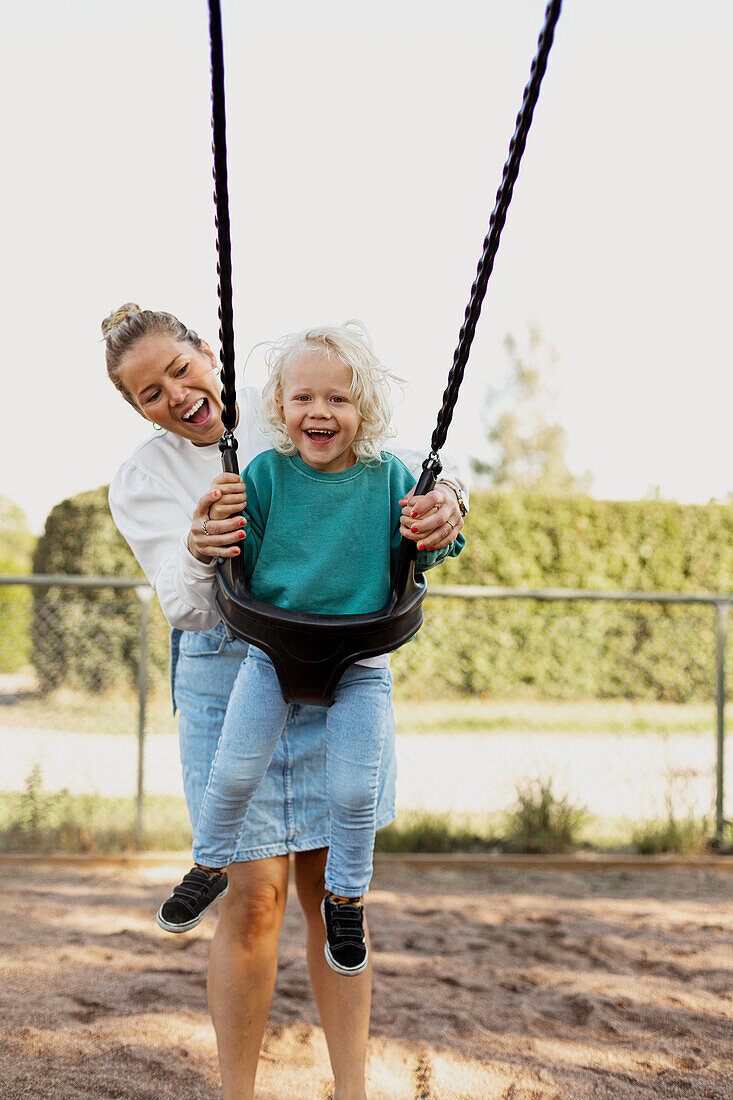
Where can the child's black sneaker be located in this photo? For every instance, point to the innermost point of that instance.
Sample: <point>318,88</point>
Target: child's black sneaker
<point>346,949</point>
<point>191,898</point>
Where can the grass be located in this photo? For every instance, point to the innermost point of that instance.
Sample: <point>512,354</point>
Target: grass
<point>415,831</point>
<point>117,712</point>
<point>113,712</point>
<point>687,836</point>
<point>611,716</point>
<point>541,822</point>
<point>35,820</point>
<point>39,821</point>
<point>678,832</point>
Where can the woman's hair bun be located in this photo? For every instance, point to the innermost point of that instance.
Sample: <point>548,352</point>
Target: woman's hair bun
<point>118,316</point>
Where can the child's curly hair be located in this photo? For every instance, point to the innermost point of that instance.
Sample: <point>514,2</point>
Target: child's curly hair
<point>369,390</point>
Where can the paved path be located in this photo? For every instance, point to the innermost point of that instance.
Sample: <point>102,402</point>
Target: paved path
<point>474,772</point>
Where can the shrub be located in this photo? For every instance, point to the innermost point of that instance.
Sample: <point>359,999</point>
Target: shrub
<point>518,647</point>
<point>576,649</point>
<point>88,638</point>
<point>688,837</point>
<point>417,831</point>
<point>541,822</point>
<point>16,548</point>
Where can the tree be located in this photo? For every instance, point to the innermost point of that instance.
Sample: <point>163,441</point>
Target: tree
<point>16,549</point>
<point>88,638</point>
<point>527,446</point>
<point>16,540</point>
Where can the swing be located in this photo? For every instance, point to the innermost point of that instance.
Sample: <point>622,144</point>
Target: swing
<point>311,652</point>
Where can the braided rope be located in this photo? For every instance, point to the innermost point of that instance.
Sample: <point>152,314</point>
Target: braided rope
<point>485,265</point>
<point>496,224</point>
<point>223,234</point>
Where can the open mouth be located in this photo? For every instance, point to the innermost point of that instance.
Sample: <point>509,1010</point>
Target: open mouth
<point>319,435</point>
<point>198,413</point>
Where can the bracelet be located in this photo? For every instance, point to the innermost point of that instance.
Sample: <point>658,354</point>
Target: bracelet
<point>462,506</point>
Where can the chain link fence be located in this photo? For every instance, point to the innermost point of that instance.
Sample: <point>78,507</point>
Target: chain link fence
<point>618,699</point>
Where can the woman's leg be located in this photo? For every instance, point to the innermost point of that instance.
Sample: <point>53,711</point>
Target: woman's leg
<point>252,727</point>
<point>242,968</point>
<point>344,1002</point>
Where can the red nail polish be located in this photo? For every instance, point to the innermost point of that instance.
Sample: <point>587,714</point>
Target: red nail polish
<point>421,546</point>
<point>240,534</point>
<point>237,550</point>
<point>241,523</point>
<point>413,514</point>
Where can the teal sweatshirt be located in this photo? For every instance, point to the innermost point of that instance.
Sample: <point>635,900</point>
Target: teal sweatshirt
<point>326,543</point>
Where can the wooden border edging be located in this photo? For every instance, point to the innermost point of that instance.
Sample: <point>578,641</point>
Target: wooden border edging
<point>591,862</point>
<point>486,860</point>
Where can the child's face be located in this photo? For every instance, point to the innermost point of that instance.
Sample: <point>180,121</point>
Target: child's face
<point>319,415</point>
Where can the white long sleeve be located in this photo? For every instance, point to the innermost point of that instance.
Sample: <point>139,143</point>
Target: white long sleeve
<point>152,498</point>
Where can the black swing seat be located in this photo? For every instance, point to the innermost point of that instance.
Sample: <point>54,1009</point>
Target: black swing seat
<point>311,652</point>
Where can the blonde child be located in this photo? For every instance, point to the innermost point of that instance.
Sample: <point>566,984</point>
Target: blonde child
<point>323,536</point>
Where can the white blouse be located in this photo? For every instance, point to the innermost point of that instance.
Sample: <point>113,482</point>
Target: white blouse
<point>152,498</point>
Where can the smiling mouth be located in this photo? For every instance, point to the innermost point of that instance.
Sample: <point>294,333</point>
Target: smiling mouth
<point>319,435</point>
<point>198,413</point>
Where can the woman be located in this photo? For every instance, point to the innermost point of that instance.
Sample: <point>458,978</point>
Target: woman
<point>159,503</point>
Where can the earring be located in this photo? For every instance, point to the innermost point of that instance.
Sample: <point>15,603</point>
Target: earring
<point>157,427</point>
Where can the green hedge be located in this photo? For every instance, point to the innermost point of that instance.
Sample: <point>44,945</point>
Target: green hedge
<point>577,542</point>
<point>89,638</point>
<point>560,650</point>
<point>571,650</point>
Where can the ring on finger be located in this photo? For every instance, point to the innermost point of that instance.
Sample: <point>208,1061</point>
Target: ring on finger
<point>203,525</point>
<point>451,525</point>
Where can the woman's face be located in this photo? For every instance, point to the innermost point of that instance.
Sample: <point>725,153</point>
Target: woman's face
<point>177,386</point>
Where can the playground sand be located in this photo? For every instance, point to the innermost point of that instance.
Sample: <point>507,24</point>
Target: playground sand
<point>489,983</point>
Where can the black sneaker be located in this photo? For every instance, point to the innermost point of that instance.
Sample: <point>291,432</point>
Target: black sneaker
<point>191,898</point>
<point>346,950</point>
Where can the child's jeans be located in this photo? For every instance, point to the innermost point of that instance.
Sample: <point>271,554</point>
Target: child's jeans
<point>355,731</point>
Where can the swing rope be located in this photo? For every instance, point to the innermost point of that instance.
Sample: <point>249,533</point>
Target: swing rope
<point>311,652</point>
<point>223,232</point>
<point>483,271</point>
<point>496,224</point>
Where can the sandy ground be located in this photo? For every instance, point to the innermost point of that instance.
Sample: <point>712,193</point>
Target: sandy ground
<point>489,983</point>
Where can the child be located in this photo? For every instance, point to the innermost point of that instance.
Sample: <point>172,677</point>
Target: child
<point>323,519</point>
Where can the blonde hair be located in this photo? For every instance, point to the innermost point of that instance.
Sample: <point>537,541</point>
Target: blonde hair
<point>369,389</point>
<point>128,324</point>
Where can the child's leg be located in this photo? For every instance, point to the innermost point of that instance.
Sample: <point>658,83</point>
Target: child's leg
<point>253,724</point>
<point>356,725</point>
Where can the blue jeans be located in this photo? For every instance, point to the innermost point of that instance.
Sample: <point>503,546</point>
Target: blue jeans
<point>356,725</point>
<point>289,811</point>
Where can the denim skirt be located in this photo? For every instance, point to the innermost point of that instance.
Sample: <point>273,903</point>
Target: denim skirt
<point>289,810</point>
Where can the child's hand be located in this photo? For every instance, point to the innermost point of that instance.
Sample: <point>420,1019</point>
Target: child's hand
<point>216,528</point>
<point>432,521</point>
<point>232,499</point>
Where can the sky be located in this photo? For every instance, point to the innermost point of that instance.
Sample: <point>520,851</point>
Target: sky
<point>366,143</point>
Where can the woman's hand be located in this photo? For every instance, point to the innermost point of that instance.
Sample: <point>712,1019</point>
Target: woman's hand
<point>218,512</point>
<point>433,520</point>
